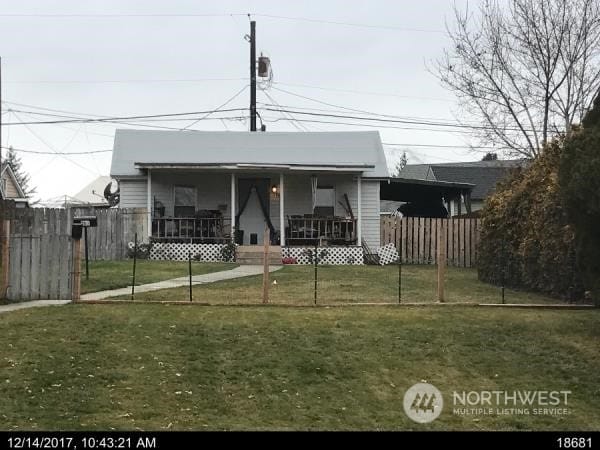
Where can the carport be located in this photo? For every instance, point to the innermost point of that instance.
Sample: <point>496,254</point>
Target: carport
<point>427,197</point>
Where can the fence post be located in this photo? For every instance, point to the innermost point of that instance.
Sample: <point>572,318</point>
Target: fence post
<point>135,249</point>
<point>190,272</point>
<point>441,259</point>
<point>5,257</point>
<point>76,286</point>
<point>399,262</point>
<point>266,239</point>
<point>316,262</point>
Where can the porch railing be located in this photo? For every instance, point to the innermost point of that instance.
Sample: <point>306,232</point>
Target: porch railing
<point>204,229</point>
<point>321,230</point>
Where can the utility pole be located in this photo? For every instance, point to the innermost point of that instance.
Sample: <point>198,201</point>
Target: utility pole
<point>252,75</point>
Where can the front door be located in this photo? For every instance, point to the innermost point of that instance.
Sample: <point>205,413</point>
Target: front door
<point>252,218</point>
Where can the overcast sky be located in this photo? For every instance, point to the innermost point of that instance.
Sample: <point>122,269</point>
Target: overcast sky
<point>186,56</point>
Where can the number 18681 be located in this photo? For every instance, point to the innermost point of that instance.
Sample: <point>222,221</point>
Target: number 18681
<point>574,442</point>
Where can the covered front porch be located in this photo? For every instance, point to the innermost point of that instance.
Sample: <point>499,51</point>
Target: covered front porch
<point>299,207</point>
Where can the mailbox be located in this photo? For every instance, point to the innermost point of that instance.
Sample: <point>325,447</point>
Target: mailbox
<point>86,221</point>
<point>79,223</point>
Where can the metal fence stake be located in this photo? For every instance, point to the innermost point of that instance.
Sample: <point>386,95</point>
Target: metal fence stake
<point>135,250</point>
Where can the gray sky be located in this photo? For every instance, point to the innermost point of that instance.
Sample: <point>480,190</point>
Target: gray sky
<point>170,63</point>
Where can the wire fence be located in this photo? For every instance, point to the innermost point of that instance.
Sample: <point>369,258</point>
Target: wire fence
<point>317,285</point>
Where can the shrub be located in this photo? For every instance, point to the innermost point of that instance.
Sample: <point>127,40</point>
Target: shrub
<point>143,250</point>
<point>526,239</point>
<point>228,252</point>
<point>289,260</point>
<point>579,181</point>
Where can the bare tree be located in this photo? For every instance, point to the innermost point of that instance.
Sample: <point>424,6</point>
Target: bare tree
<point>525,69</point>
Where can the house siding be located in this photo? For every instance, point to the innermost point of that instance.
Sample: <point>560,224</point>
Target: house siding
<point>214,189</point>
<point>133,193</point>
<point>11,189</point>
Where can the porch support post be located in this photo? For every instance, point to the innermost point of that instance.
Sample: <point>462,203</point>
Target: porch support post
<point>281,212</point>
<point>149,203</point>
<point>232,207</point>
<point>359,216</point>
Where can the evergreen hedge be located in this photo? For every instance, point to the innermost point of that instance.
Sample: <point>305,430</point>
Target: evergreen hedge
<point>526,239</point>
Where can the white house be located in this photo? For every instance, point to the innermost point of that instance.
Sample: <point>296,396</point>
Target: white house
<point>216,187</point>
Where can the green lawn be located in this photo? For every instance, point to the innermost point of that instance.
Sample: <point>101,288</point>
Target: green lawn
<point>155,367</point>
<point>105,275</point>
<point>349,284</point>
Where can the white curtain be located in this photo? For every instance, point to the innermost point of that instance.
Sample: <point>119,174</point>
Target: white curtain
<point>313,181</point>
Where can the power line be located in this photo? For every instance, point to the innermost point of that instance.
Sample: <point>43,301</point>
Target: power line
<point>342,108</point>
<point>39,138</point>
<point>298,125</point>
<point>181,80</point>
<point>352,91</point>
<point>218,108</point>
<point>117,15</point>
<point>446,146</point>
<point>115,119</point>
<point>383,120</point>
<point>192,16</point>
<point>350,24</point>
<point>39,152</point>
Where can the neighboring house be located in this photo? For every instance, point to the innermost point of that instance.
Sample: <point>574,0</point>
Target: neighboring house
<point>92,195</point>
<point>10,189</point>
<point>483,175</point>
<point>213,187</point>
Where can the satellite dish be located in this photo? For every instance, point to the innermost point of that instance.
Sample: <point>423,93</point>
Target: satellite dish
<point>111,197</point>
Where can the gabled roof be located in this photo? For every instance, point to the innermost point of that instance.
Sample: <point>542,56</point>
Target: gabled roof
<point>359,151</point>
<point>7,171</point>
<point>482,174</point>
<point>93,193</point>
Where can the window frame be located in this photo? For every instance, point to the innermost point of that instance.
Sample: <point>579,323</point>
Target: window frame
<point>195,201</point>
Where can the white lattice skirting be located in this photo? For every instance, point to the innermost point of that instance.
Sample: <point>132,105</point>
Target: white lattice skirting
<point>337,256</point>
<point>165,251</point>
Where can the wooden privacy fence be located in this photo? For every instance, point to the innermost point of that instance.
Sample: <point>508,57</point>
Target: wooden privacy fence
<point>416,239</point>
<point>108,241</point>
<point>40,267</point>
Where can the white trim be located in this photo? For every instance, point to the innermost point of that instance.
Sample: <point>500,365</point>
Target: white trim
<point>359,218</point>
<point>248,166</point>
<point>232,207</point>
<point>281,212</point>
<point>149,202</point>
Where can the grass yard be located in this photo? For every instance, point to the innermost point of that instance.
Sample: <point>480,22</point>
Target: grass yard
<point>105,275</point>
<point>159,367</point>
<point>349,284</point>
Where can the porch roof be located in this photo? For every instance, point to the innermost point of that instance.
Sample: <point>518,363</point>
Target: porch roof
<point>136,150</point>
<point>245,167</point>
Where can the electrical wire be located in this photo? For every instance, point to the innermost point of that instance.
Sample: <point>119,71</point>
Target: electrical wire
<point>218,108</point>
<point>122,118</point>
<point>39,152</point>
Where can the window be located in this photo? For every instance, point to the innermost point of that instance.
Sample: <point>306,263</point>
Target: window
<point>325,201</point>
<point>185,201</point>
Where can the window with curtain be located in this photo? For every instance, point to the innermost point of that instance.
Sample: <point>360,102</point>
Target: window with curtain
<point>184,201</point>
<point>325,201</point>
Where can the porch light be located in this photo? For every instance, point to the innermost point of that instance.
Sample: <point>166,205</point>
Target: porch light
<point>274,189</point>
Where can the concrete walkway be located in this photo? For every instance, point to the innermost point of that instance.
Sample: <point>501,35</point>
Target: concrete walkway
<point>238,272</point>
<point>32,304</point>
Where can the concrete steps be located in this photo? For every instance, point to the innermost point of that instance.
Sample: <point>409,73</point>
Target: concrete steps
<point>253,254</point>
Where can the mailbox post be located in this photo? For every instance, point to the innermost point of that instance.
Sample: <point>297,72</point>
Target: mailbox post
<point>85,222</point>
